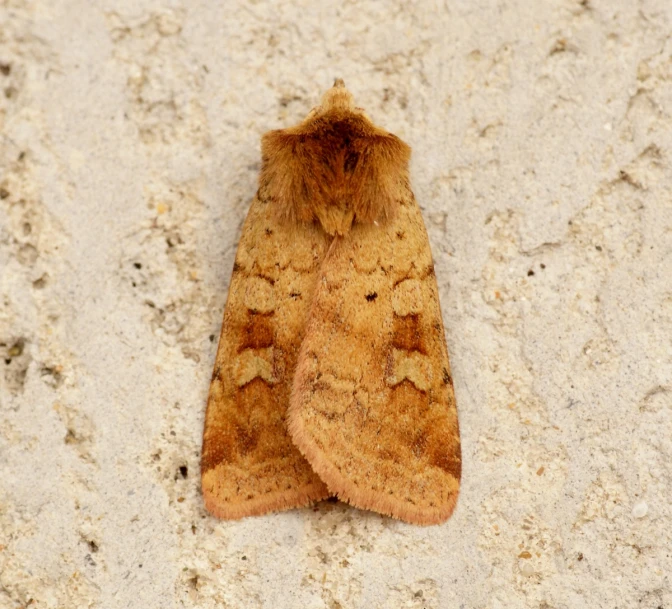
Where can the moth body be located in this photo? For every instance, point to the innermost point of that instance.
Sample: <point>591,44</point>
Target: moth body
<point>332,374</point>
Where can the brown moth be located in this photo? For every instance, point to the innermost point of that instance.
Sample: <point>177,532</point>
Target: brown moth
<point>332,374</point>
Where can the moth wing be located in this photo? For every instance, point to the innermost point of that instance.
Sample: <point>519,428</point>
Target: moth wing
<point>373,407</point>
<point>249,464</point>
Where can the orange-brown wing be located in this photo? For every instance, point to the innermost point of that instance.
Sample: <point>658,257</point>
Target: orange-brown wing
<point>249,464</point>
<point>373,408</point>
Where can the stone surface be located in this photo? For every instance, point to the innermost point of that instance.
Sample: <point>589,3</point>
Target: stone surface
<point>129,152</point>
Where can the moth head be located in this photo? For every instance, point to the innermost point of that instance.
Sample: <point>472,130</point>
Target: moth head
<point>338,98</point>
<point>336,167</point>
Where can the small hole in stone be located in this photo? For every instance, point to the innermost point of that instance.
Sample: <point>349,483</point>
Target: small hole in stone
<point>39,283</point>
<point>16,349</point>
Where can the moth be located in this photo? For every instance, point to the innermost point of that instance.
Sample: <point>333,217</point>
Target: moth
<point>332,375</point>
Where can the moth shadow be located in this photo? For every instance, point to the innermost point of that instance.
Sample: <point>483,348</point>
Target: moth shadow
<point>330,505</point>
<point>344,512</point>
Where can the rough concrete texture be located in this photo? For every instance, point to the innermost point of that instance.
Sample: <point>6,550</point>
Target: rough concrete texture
<point>129,153</point>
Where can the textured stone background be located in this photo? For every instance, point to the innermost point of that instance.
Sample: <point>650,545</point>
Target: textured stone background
<point>129,151</point>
